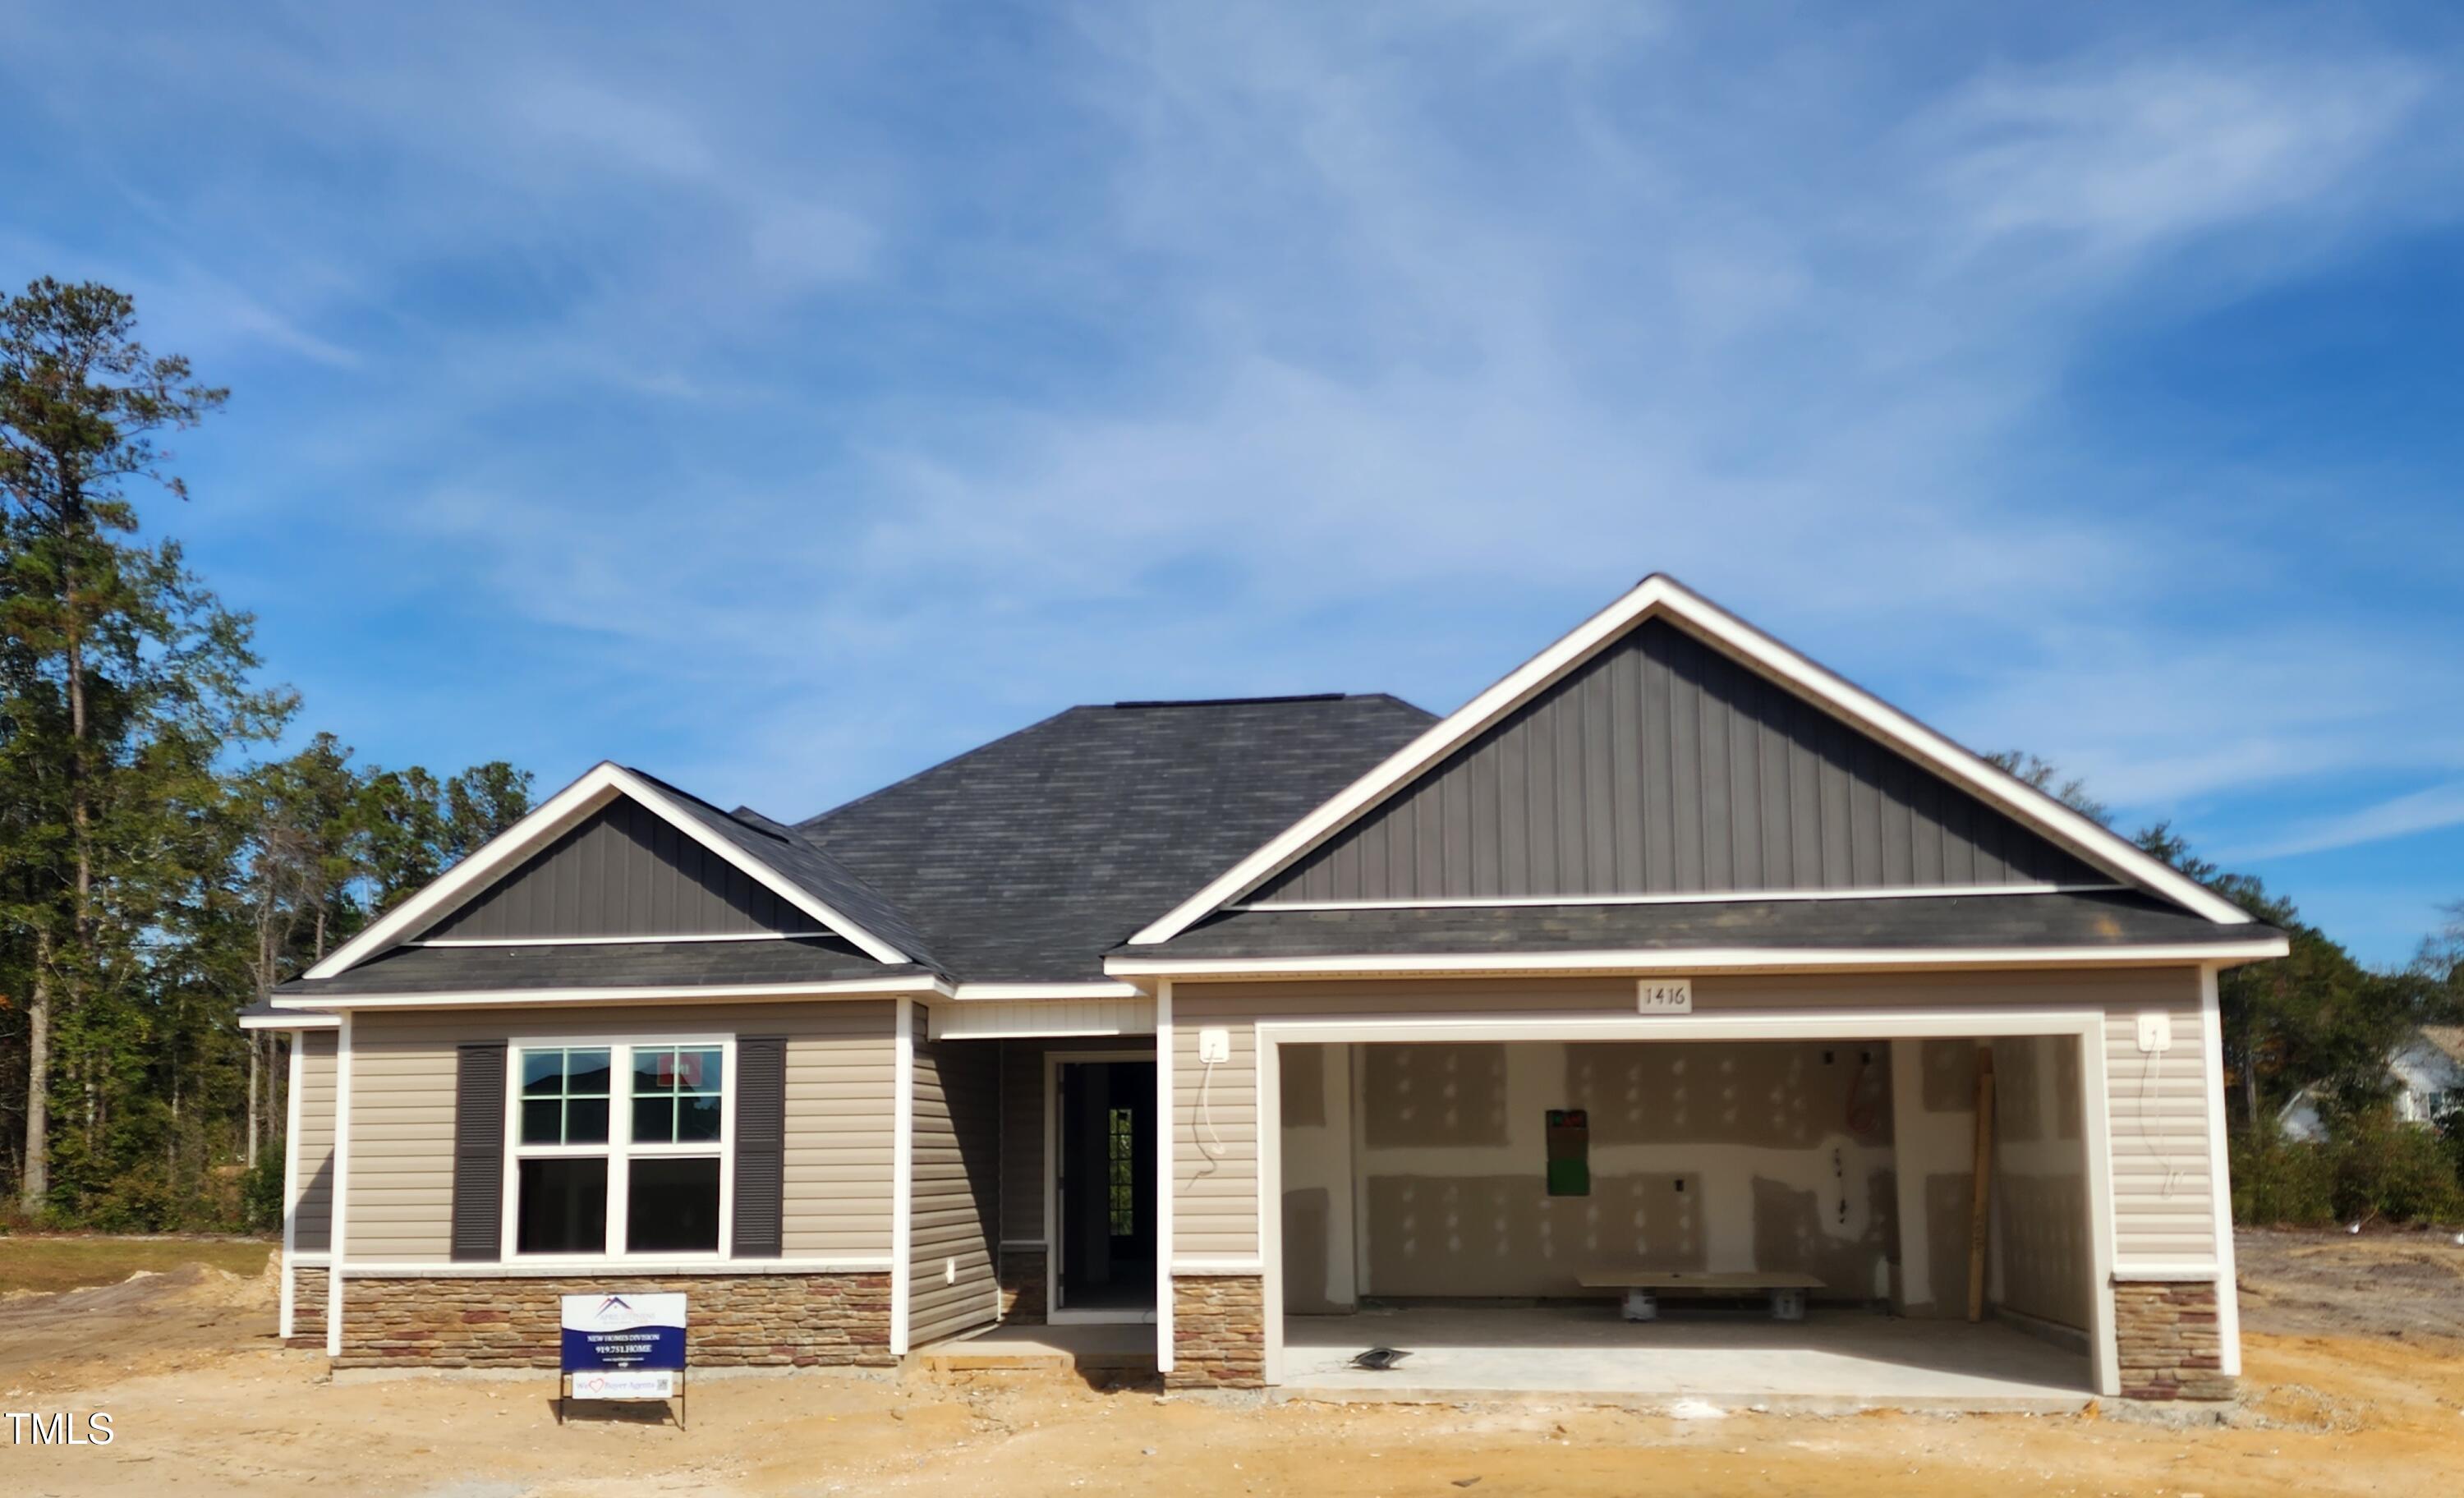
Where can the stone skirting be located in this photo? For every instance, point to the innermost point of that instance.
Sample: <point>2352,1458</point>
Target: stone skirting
<point>735,1320</point>
<point>1022,1285</point>
<point>1219,1332</point>
<point>2169,1342</point>
<point>308,1306</point>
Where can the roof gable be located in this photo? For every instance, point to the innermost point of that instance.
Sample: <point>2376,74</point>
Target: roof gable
<point>1662,767</point>
<point>623,870</point>
<point>1661,598</point>
<point>699,871</point>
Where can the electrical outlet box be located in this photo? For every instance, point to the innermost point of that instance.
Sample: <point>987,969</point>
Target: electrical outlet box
<point>1214,1047</point>
<point>948,1271</point>
<point>2155,1030</point>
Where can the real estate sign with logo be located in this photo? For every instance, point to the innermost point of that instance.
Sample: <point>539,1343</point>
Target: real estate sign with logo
<point>624,1346</point>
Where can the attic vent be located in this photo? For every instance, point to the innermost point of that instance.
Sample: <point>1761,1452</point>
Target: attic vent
<point>1187,702</point>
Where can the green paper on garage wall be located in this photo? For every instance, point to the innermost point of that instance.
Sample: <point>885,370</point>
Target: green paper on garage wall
<point>1570,1151</point>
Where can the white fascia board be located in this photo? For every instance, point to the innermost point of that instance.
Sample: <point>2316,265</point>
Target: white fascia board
<point>1663,596</point>
<point>559,814</point>
<point>1762,960</point>
<point>289,1022</point>
<point>965,992</point>
<point>852,988</point>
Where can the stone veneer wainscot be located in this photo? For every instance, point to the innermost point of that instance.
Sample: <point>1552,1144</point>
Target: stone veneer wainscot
<point>1219,1332</point>
<point>2168,1341</point>
<point>734,1320</point>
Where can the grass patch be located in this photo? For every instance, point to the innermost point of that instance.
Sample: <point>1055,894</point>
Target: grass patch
<point>62,1262</point>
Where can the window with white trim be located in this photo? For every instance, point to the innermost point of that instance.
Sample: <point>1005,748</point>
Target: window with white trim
<point>620,1148</point>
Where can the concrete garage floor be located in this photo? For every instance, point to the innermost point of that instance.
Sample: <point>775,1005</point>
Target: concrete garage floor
<point>1834,1361</point>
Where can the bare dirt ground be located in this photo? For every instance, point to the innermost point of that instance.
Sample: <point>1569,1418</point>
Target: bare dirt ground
<point>2355,1372</point>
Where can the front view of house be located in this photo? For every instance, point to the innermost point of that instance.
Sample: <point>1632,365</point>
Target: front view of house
<point>1670,965</point>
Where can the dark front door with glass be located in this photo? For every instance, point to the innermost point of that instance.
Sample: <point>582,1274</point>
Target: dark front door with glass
<point>1106,1185</point>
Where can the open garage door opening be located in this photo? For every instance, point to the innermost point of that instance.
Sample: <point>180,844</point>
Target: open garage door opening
<point>1753,1220</point>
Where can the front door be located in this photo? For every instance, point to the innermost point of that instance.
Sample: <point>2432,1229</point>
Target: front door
<point>1105,1187</point>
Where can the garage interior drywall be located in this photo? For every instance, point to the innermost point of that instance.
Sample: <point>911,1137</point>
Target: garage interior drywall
<point>1416,1170</point>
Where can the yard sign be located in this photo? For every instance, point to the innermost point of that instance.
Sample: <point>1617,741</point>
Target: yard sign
<point>617,1346</point>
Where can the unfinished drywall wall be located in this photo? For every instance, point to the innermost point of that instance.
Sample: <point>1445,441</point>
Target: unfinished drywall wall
<point>2040,1250</point>
<point>1934,1144</point>
<point>1318,1188</point>
<point>1704,1154</point>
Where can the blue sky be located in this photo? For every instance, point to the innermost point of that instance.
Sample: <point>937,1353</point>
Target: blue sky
<point>784,398</point>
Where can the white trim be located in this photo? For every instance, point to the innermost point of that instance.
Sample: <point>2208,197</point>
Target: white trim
<point>1053,1310</point>
<point>1165,1125</point>
<point>2220,1178</point>
<point>536,1268</point>
<point>2164,1271</point>
<point>614,942</point>
<point>1224,1266</point>
<point>291,1190</point>
<point>1269,1173</point>
<point>289,1022</point>
<point>968,993</point>
<point>2084,1027</point>
<point>1692,898</point>
<point>1659,595</point>
<point>902,1178</point>
<point>337,1213</point>
<point>2105,1227</point>
<point>713,993</point>
<point>1775,960</point>
<point>619,1150</point>
<point>602,784</point>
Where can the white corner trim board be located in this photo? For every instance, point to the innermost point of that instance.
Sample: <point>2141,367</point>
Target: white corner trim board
<point>902,1178</point>
<point>1663,597</point>
<point>1165,1127</point>
<point>602,784</point>
<point>338,1212</point>
<point>291,1187</point>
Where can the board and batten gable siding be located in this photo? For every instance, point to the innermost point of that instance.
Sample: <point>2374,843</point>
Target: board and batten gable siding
<point>2164,1194</point>
<point>312,1203</point>
<point>1660,766</point>
<point>837,1161</point>
<point>956,1191</point>
<point>623,870</point>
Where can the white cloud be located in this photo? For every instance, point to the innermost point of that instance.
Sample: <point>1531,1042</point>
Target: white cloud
<point>2423,810</point>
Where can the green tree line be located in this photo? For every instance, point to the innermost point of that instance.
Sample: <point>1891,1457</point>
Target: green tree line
<point>161,866</point>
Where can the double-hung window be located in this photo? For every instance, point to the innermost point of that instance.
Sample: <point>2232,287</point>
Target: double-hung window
<point>620,1147</point>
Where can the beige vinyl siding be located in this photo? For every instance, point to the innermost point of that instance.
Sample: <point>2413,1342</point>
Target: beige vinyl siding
<point>957,1190</point>
<point>1215,1199</point>
<point>2164,1194</point>
<point>840,1077</point>
<point>312,1189</point>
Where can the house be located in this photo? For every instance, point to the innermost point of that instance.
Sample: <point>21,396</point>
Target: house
<point>2425,1075</point>
<point>1265,1027</point>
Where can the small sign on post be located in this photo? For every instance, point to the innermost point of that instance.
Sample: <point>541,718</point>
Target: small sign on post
<point>622,1347</point>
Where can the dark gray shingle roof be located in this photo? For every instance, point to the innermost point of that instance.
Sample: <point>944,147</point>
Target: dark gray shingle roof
<point>2115,918</point>
<point>611,964</point>
<point>1027,859</point>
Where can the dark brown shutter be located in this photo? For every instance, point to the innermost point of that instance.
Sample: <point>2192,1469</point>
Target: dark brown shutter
<point>761,1144</point>
<point>479,1152</point>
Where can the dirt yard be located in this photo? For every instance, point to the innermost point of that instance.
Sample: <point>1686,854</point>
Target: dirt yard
<point>2355,1351</point>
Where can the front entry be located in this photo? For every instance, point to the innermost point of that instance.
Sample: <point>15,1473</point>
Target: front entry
<point>1104,1189</point>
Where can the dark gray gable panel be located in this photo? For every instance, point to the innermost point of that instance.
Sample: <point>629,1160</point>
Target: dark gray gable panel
<point>1660,766</point>
<point>625,871</point>
<point>760,1146</point>
<point>478,1152</point>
